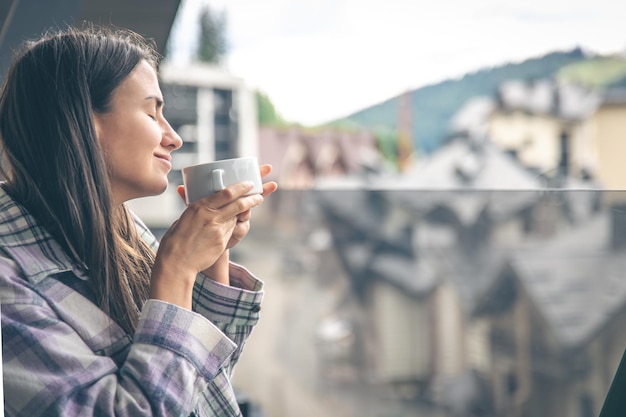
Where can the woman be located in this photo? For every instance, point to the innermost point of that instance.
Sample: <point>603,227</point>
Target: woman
<point>96,319</point>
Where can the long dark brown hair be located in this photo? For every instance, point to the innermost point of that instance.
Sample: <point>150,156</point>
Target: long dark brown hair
<point>55,166</point>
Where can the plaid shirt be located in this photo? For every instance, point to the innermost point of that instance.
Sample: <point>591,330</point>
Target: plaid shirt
<point>63,356</point>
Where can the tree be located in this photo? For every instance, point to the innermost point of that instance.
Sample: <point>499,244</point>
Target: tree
<point>267,113</point>
<point>213,44</point>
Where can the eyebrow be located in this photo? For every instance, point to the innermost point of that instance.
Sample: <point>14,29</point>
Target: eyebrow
<point>159,100</point>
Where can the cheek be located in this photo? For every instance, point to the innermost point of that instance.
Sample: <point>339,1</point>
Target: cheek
<point>129,138</point>
<point>111,161</point>
<point>115,150</point>
<point>142,133</point>
<point>109,150</point>
<point>106,134</point>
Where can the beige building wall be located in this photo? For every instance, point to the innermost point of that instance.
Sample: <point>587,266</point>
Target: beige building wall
<point>609,130</point>
<point>449,332</point>
<point>537,140</point>
<point>403,334</point>
<point>534,137</point>
<point>479,355</point>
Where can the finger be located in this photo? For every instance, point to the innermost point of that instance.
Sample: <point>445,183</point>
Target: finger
<point>265,170</point>
<point>244,217</point>
<point>181,192</point>
<point>240,231</point>
<point>227,195</point>
<point>240,206</point>
<point>269,188</point>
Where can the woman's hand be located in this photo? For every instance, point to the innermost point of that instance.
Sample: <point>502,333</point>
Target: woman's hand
<point>196,241</point>
<point>243,220</point>
<point>219,271</point>
<point>199,240</point>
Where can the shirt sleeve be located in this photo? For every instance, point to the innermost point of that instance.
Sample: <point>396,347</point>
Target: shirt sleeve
<point>234,309</point>
<point>51,369</point>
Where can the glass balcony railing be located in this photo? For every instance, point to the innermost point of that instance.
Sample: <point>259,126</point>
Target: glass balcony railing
<point>436,303</point>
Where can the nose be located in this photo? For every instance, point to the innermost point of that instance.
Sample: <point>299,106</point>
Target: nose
<point>170,138</point>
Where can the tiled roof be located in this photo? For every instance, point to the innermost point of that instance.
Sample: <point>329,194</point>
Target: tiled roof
<point>466,164</point>
<point>576,280</point>
<point>547,97</point>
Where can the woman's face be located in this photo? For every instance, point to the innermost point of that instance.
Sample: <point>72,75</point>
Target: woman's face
<point>136,138</point>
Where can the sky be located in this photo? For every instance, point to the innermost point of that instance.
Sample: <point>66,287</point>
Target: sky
<point>321,60</point>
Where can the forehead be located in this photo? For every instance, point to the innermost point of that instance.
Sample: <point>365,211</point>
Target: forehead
<point>142,80</point>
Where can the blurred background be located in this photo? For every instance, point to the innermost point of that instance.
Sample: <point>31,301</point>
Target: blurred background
<point>449,235</point>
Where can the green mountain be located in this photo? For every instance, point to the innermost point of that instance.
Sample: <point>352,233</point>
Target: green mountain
<point>434,105</point>
<point>599,72</point>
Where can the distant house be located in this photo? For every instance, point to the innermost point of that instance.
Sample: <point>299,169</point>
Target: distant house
<point>543,123</point>
<point>557,337</point>
<point>398,242</point>
<point>557,129</point>
<point>608,126</point>
<point>301,157</point>
<point>481,297</point>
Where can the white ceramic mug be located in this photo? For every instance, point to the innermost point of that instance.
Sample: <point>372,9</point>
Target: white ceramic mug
<point>204,179</point>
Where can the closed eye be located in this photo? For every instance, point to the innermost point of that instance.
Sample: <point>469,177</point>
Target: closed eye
<point>155,107</point>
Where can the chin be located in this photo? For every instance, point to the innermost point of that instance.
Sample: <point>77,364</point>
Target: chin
<point>156,189</point>
<point>160,190</point>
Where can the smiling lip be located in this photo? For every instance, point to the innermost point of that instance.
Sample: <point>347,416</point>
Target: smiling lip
<point>165,158</point>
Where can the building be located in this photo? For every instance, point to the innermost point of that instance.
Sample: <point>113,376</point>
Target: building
<point>470,293</point>
<point>302,158</point>
<point>558,130</point>
<point>608,127</point>
<point>544,124</point>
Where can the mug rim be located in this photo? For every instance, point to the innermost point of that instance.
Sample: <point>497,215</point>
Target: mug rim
<point>219,160</point>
